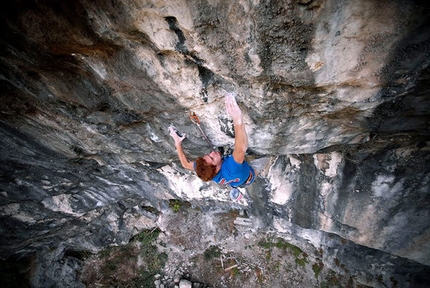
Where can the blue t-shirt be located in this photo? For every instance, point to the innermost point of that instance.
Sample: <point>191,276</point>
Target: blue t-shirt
<point>233,173</point>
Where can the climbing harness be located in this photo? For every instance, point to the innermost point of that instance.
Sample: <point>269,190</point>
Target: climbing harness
<point>196,121</point>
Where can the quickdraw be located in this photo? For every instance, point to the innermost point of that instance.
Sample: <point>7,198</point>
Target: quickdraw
<point>196,121</point>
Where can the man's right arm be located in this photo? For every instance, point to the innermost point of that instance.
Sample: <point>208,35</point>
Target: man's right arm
<point>178,145</point>
<point>241,138</point>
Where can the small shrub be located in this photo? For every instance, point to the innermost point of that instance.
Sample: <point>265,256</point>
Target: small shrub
<point>332,280</point>
<point>212,252</point>
<point>317,267</point>
<point>301,257</point>
<point>154,261</point>
<point>151,210</point>
<point>119,267</point>
<point>147,237</point>
<point>265,244</point>
<point>234,272</point>
<point>268,255</point>
<point>176,205</point>
<point>302,261</point>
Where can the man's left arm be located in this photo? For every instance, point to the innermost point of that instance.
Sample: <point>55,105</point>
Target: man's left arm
<point>178,145</point>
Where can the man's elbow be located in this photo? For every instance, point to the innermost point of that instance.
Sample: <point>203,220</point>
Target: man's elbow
<point>244,147</point>
<point>188,165</point>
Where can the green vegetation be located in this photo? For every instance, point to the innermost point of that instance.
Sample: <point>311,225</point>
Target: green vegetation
<point>234,272</point>
<point>211,253</point>
<point>281,244</point>
<point>147,237</point>
<point>331,281</point>
<point>317,267</point>
<point>119,265</point>
<point>265,244</point>
<point>277,266</point>
<point>301,258</point>
<point>151,210</point>
<point>154,261</point>
<point>176,205</point>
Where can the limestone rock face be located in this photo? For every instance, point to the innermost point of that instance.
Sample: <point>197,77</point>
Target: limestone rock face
<point>335,96</point>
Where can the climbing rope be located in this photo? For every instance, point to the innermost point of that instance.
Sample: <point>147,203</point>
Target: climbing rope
<point>196,121</point>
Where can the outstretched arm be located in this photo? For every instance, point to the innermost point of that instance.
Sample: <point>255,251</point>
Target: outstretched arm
<point>241,138</point>
<point>178,144</point>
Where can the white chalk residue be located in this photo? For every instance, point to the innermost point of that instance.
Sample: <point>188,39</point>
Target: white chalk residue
<point>295,163</point>
<point>326,222</point>
<point>283,226</point>
<point>112,219</point>
<point>328,163</point>
<point>281,187</point>
<point>282,192</point>
<point>14,210</point>
<point>138,222</point>
<point>154,137</point>
<point>97,67</point>
<point>334,162</point>
<point>10,209</point>
<point>186,185</point>
<point>326,188</point>
<point>384,186</point>
<point>24,217</point>
<point>60,203</point>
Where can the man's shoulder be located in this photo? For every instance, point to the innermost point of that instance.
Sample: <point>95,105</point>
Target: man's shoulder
<point>229,165</point>
<point>229,160</point>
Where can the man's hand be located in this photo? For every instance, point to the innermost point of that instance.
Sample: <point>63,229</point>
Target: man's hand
<point>233,109</point>
<point>174,133</point>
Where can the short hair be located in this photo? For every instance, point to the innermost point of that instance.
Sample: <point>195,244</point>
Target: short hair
<point>204,170</point>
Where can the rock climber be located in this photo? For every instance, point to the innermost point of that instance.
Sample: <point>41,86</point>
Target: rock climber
<point>232,170</point>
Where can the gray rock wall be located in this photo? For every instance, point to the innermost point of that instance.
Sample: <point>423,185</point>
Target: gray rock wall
<point>334,93</point>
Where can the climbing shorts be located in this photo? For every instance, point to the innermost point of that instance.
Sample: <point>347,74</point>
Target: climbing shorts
<point>250,179</point>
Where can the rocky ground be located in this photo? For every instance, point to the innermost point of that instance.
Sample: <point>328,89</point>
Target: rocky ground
<point>215,249</point>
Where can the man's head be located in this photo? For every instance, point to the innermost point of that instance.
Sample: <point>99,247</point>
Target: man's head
<point>208,165</point>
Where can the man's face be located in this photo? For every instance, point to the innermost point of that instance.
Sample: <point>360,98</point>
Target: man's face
<point>213,158</point>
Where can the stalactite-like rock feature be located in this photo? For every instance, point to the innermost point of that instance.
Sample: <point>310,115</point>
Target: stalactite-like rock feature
<point>335,96</point>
